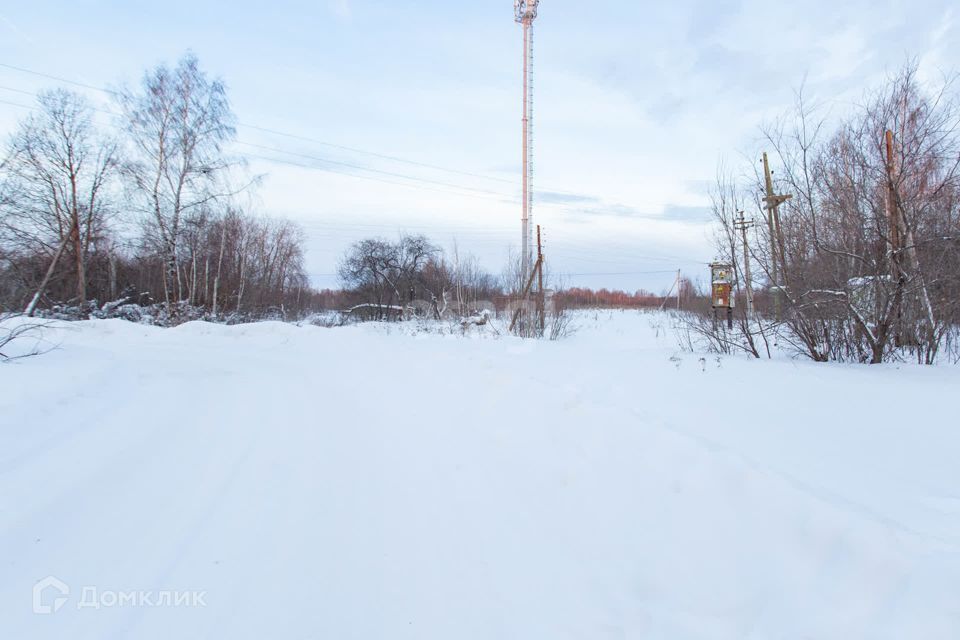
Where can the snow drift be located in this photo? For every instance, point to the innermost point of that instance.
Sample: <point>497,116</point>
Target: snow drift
<point>359,482</point>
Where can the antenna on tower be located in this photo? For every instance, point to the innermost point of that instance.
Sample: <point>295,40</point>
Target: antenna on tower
<point>525,12</point>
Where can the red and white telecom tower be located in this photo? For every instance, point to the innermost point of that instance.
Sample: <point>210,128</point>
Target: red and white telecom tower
<point>525,12</point>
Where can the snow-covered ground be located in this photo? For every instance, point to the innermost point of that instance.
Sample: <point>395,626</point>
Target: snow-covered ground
<point>274,481</point>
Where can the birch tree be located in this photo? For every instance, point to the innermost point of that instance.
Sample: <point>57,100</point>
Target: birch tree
<point>177,125</point>
<point>56,189</point>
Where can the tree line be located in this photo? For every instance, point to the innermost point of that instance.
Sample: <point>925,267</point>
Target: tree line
<point>414,277</point>
<point>148,208</point>
<point>414,270</point>
<point>862,263</point>
<point>585,297</point>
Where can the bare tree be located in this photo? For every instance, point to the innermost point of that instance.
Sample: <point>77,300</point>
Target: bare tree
<point>386,272</point>
<point>869,235</point>
<point>750,333</point>
<point>867,249</point>
<point>177,127</point>
<point>56,186</point>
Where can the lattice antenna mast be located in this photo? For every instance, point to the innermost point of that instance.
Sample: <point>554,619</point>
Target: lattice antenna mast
<point>525,12</point>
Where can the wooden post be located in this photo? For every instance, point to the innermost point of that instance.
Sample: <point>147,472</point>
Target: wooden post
<point>773,202</point>
<point>541,300</point>
<point>524,295</point>
<point>679,279</point>
<point>742,224</point>
<point>893,222</point>
<point>893,218</point>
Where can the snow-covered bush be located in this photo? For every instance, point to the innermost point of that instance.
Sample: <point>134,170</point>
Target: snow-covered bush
<point>327,319</point>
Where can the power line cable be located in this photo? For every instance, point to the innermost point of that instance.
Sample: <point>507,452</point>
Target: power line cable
<point>361,177</point>
<point>284,134</point>
<point>560,245</point>
<point>317,141</point>
<point>617,273</point>
<point>375,154</point>
<point>377,171</point>
<point>500,197</point>
<point>473,192</point>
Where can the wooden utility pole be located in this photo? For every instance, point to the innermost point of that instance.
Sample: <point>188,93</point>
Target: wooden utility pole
<point>893,224</point>
<point>679,284</point>
<point>666,297</point>
<point>893,217</point>
<point>541,298</point>
<point>525,294</point>
<point>742,225</point>
<point>773,202</point>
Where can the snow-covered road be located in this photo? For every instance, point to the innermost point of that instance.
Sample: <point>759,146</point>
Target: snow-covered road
<point>365,483</point>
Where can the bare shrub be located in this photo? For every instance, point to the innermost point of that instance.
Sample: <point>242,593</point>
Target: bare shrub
<point>863,263</point>
<point>14,329</point>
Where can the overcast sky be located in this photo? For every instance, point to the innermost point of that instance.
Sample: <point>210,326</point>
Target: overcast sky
<point>636,104</point>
